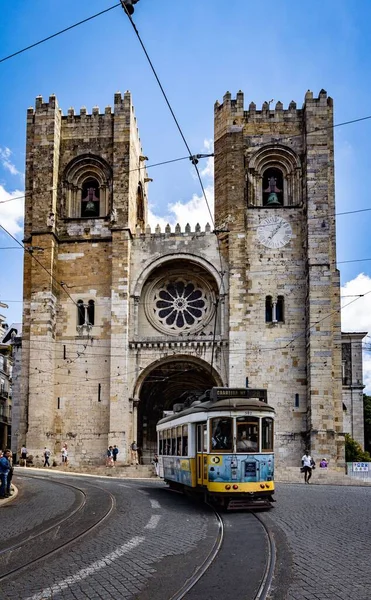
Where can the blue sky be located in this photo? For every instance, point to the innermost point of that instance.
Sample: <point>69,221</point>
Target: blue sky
<point>200,49</point>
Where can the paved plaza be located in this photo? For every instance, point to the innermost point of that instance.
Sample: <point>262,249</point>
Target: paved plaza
<point>155,539</point>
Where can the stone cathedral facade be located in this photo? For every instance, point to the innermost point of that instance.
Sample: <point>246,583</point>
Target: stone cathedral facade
<point>120,320</point>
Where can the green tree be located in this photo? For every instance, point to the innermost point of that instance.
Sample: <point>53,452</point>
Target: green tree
<point>354,452</point>
<point>367,420</point>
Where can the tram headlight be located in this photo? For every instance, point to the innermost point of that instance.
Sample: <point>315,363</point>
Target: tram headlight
<point>262,486</point>
<point>227,487</point>
<point>267,485</point>
<point>235,487</point>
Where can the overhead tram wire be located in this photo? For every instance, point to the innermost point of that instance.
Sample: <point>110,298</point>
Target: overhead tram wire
<point>192,157</point>
<point>59,33</point>
<point>31,253</point>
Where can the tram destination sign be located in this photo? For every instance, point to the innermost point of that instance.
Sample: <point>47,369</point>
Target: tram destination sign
<point>218,393</point>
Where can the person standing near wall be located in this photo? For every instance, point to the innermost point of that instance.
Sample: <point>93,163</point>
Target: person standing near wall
<point>115,452</point>
<point>134,453</point>
<point>64,455</point>
<point>24,455</point>
<point>307,465</point>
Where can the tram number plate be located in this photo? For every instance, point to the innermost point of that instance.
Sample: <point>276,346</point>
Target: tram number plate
<point>248,412</point>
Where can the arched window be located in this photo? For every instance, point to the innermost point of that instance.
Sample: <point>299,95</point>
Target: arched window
<point>272,192</point>
<point>87,188</point>
<point>280,315</point>
<point>268,309</point>
<point>274,309</point>
<point>91,310</point>
<point>80,313</point>
<point>90,204</point>
<point>274,177</point>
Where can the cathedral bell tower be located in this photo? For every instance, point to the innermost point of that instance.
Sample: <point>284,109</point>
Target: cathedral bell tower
<point>85,197</point>
<point>275,210</point>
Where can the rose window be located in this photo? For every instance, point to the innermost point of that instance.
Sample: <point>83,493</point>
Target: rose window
<point>180,305</point>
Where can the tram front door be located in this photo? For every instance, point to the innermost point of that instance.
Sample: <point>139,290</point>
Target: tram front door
<point>201,454</point>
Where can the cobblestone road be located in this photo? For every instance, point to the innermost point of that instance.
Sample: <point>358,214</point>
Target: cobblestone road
<point>118,561</point>
<point>156,538</point>
<point>328,530</point>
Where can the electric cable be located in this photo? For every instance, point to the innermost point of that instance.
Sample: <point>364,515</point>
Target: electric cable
<point>58,33</point>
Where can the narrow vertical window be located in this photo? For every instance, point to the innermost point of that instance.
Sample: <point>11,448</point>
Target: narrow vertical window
<point>80,312</point>
<point>296,400</point>
<point>268,309</point>
<point>280,309</point>
<point>91,311</point>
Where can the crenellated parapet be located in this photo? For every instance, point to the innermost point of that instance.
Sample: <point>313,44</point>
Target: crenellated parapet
<point>231,114</point>
<point>177,231</point>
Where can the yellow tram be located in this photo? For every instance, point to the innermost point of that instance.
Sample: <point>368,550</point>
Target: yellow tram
<point>221,444</point>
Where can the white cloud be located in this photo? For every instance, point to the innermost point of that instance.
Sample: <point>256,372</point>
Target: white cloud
<point>11,210</point>
<point>194,211</point>
<point>5,154</point>
<point>357,316</point>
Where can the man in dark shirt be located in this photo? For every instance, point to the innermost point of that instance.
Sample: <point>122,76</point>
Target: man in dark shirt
<point>4,471</point>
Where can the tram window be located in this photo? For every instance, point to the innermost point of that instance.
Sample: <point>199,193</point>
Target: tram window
<point>160,442</point>
<point>247,434</point>
<point>168,441</point>
<point>185,440</point>
<point>173,442</point>
<point>221,434</point>
<point>267,434</point>
<point>179,441</point>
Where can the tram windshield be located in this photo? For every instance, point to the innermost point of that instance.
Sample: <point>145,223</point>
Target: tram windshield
<point>221,434</point>
<point>247,434</point>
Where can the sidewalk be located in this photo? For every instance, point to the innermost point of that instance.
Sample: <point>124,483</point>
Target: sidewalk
<point>4,501</point>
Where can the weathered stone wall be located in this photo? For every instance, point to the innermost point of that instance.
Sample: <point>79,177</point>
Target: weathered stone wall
<point>82,386</point>
<point>298,360</point>
<point>352,392</point>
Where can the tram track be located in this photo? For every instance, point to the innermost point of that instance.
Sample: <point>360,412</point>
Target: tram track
<point>66,531</point>
<point>211,560</point>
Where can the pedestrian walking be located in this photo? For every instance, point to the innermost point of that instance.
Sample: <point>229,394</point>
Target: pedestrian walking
<point>24,455</point>
<point>134,453</point>
<point>46,457</point>
<point>307,465</point>
<point>115,452</point>
<point>64,455</point>
<point>155,464</point>
<point>109,457</point>
<point>8,454</point>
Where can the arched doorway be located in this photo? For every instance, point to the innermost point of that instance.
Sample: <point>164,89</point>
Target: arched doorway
<point>164,385</point>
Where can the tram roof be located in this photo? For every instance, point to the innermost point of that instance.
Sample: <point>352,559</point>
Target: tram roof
<point>228,404</point>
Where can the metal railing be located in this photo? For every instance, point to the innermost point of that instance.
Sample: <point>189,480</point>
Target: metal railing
<point>359,470</point>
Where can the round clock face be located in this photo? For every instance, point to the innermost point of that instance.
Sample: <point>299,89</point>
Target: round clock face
<point>274,232</point>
